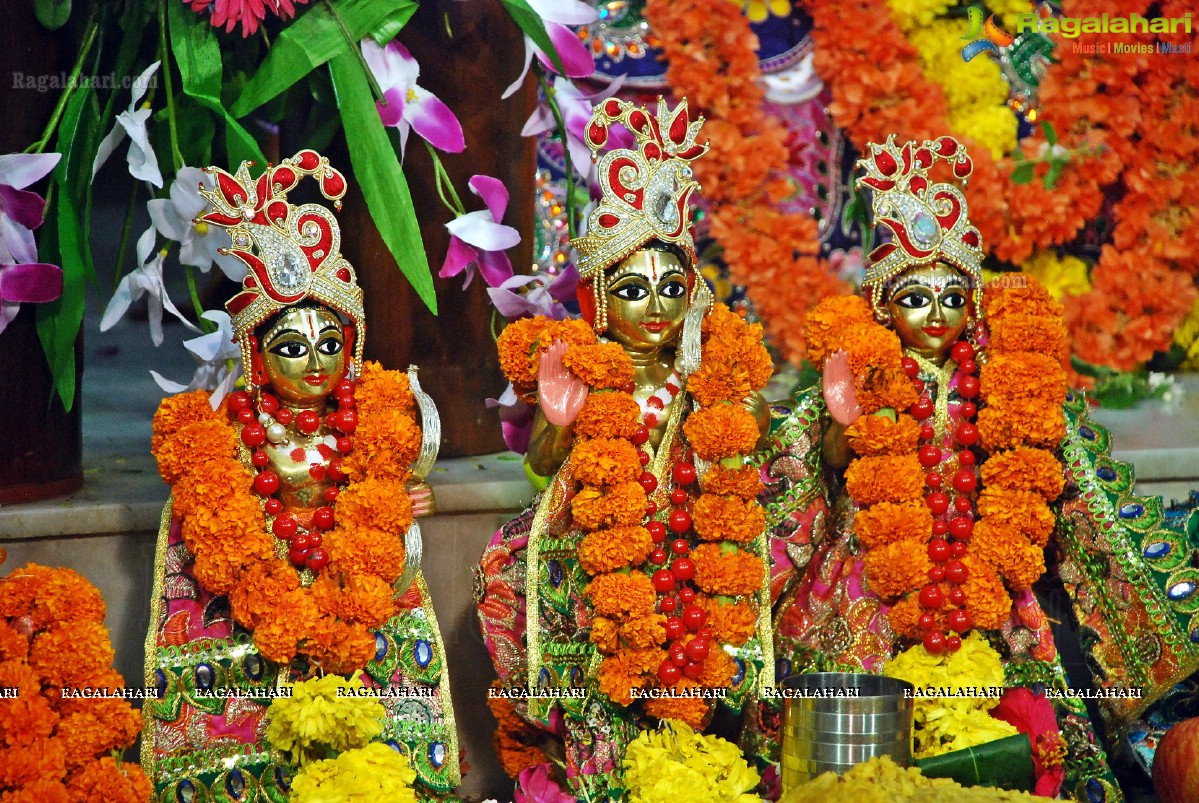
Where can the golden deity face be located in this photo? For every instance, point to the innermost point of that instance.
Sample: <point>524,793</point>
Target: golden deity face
<point>304,356</point>
<point>647,300</point>
<point>929,307</point>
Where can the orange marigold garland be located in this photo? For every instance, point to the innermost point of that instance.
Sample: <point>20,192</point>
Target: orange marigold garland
<point>908,560</point>
<point>226,529</point>
<point>623,546</point>
<point>56,748</point>
<point>712,60</point>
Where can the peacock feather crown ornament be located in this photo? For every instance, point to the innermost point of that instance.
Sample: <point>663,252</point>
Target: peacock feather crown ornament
<point>292,252</point>
<point>645,189</point>
<point>928,221</point>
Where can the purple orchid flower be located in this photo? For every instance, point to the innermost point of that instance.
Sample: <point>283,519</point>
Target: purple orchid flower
<point>516,419</point>
<point>478,239</point>
<point>535,294</point>
<point>557,15</point>
<point>577,109</point>
<point>408,105</point>
<point>22,277</point>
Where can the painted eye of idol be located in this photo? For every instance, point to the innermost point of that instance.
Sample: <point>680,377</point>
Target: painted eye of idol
<point>635,289</point>
<point>920,297</point>
<point>647,300</point>
<point>304,356</point>
<point>929,308</point>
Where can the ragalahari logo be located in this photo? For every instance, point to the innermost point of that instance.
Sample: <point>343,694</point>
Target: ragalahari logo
<point>993,38</point>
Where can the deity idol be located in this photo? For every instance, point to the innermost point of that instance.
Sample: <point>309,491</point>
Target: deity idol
<point>639,580</point>
<point>923,483</point>
<point>288,549</point>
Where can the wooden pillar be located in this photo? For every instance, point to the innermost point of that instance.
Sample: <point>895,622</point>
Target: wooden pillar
<point>468,68</point>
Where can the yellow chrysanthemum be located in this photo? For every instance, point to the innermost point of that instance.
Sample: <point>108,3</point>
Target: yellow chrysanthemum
<point>993,127</point>
<point>1067,276</point>
<point>1187,337</point>
<point>322,715</point>
<point>676,763</point>
<point>1006,10</point>
<point>952,722</point>
<point>911,14</point>
<point>375,772</point>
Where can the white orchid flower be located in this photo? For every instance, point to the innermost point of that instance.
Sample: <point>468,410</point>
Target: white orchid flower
<point>219,358</point>
<point>143,164</point>
<point>146,280</point>
<point>199,243</point>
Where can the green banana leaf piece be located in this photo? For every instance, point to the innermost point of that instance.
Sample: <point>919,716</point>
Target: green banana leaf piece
<point>1004,764</point>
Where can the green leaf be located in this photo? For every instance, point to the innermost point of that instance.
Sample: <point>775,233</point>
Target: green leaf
<point>321,127</point>
<point>198,56</point>
<point>313,39</point>
<point>58,322</point>
<point>197,128</point>
<point>390,28</point>
<point>78,140</point>
<point>1090,369</point>
<point>1050,134</point>
<point>52,14</point>
<point>380,176</point>
<point>534,27</point>
<point>1023,173</point>
<point>1055,170</point>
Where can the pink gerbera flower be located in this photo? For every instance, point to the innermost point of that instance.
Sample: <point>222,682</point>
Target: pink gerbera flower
<point>249,13</point>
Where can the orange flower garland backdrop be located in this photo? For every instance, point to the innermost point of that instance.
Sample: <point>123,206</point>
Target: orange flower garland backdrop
<point>1136,114</point>
<point>610,503</point>
<point>1139,112</point>
<point>226,528</point>
<point>55,747</point>
<point>712,61</point>
<point>1020,425</point>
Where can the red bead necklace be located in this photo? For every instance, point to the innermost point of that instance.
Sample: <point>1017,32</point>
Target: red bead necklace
<point>674,580</point>
<point>267,421</point>
<point>952,505</point>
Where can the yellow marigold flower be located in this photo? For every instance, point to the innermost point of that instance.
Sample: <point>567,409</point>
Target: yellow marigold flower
<point>910,14</point>
<point>953,723</point>
<point>1187,336</point>
<point>323,714</point>
<point>993,127</point>
<point>372,773</point>
<point>676,763</point>
<point>1065,276</point>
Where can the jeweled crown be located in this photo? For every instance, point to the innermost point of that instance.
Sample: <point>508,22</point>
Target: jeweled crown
<point>645,189</point>
<point>928,222</point>
<point>292,252</point>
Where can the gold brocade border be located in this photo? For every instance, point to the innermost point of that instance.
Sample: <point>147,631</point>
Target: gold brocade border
<point>447,703</point>
<point>533,589</point>
<point>765,620</point>
<point>151,645</point>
